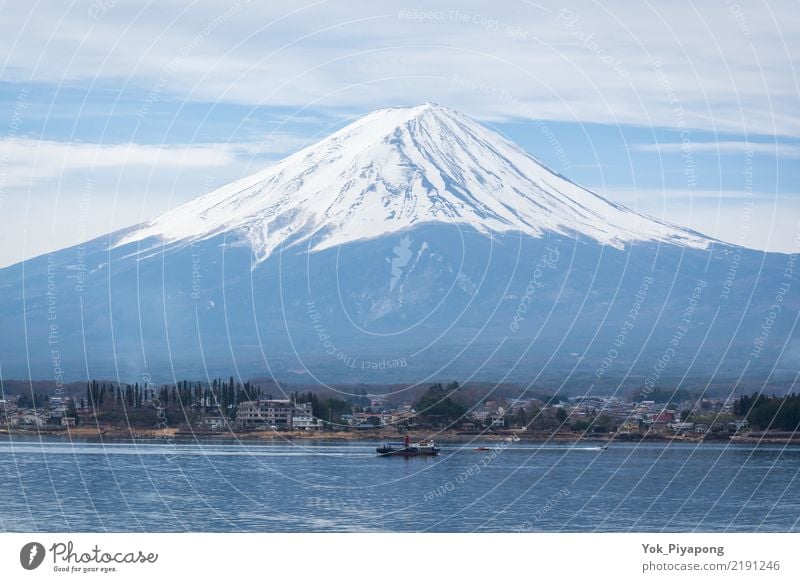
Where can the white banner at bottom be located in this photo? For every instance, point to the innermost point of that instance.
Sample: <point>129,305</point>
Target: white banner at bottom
<point>398,557</point>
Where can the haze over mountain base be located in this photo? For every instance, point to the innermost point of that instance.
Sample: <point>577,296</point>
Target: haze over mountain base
<point>433,301</point>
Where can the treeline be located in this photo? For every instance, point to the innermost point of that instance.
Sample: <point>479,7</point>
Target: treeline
<point>192,398</point>
<point>770,412</point>
<point>38,400</point>
<point>218,396</point>
<point>662,396</point>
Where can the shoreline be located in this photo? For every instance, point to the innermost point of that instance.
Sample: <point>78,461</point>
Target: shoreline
<point>100,434</point>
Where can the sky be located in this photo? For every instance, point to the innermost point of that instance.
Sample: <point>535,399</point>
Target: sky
<point>114,111</point>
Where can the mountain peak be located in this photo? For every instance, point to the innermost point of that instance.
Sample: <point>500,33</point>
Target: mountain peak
<point>401,167</point>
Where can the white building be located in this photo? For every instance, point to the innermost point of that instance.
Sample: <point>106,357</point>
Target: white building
<point>498,422</point>
<point>213,423</point>
<point>303,417</point>
<point>28,420</point>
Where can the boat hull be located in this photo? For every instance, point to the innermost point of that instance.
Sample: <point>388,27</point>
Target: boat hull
<point>407,452</point>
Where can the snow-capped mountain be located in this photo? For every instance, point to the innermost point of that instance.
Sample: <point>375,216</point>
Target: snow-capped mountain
<point>398,168</point>
<point>414,244</point>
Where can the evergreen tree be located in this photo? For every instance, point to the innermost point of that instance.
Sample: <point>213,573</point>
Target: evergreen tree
<point>441,406</point>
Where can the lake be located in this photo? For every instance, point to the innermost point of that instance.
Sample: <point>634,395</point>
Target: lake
<point>311,486</point>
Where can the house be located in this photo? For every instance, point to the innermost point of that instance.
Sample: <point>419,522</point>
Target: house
<point>368,426</point>
<point>499,422</point>
<point>68,421</point>
<point>662,417</point>
<point>579,414</point>
<point>28,419</point>
<point>212,423</point>
<point>482,416</point>
<point>738,426</point>
<point>629,427</point>
<point>701,428</point>
<point>55,415</point>
<point>395,418</point>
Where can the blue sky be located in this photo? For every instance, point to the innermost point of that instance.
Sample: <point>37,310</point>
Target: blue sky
<point>114,111</point>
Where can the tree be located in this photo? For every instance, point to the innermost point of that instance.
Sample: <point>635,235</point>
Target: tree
<point>561,415</point>
<point>580,426</point>
<point>36,400</point>
<point>439,405</point>
<point>770,412</point>
<point>603,423</point>
<point>72,410</point>
<point>330,409</point>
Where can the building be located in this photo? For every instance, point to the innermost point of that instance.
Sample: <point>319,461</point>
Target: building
<point>276,415</point>
<point>682,426</point>
<point>662,418</point>
<point>396,418</point>
<point>629,427</point>
<point>265,414</point>
<point>28,419</point>
<point>54,415</point>
<point>212,423</point>
<point>498,422</point>
<point>303,417</point>
<point>738,426</point>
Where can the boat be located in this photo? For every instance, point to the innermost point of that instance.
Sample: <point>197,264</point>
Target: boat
<point>407,449</point>
<point>480,449</point>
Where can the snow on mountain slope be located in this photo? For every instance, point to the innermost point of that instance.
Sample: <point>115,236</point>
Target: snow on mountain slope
<point>403,167</point>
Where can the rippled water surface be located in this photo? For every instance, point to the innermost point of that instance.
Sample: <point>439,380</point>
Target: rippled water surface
<point>56,485</point>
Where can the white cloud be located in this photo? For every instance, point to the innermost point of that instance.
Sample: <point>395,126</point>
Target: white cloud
<point>759,220</point>
<point>780,150</point>
<point>29,160</point>
<point>631,196</point>
<point>700,65</point>
<point>57,194</point>
<point>24,161</point>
